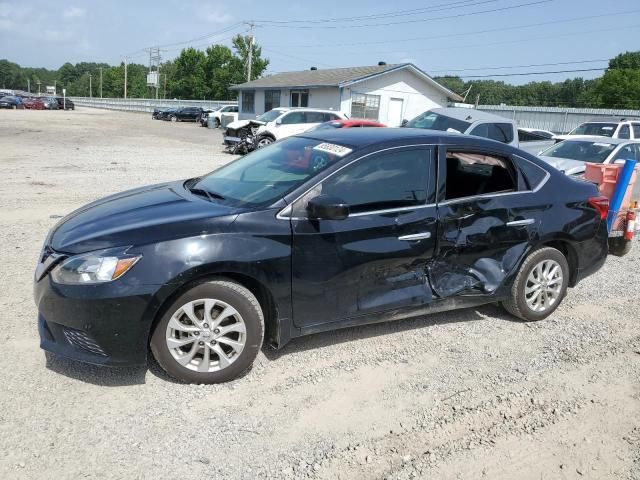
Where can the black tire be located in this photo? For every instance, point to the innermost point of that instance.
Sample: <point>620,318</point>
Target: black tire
<point>173,118</point>
<point>245,304</point>
<point>264,141</point>
<point>516,304</point>
<point>216,123</point>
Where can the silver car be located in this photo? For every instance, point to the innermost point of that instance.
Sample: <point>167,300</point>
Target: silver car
<point>571,155</point>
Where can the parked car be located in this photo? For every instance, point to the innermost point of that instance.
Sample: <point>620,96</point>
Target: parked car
<point>383,224</point>
<point>33,103</point>
<point>11,101</point>
<point>185,114</point>
<point>162,113</point>
<point>65,103</point>
<point>614,127</point>
<point>217,114</point>
<point>50,103</point>
<point>204,115</point>
<point>347,123</point>
<point>470,121</point>
<point>570,156</point>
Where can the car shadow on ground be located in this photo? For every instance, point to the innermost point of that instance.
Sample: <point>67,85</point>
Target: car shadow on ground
<point>126,376</point>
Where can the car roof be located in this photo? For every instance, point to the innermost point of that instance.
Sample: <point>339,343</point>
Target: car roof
<point>612,120</point>
<point>470,115</point>
<point>599,139</point>
<point>363,137</point>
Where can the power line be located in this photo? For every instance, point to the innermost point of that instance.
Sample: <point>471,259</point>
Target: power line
<point>422,20</point>
<point>519,74</point>
<point>395,13</point>
<point>519,66</point>
<point>449,35</point>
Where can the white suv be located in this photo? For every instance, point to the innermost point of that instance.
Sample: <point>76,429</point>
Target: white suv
<point>616,127</point>
<point>225,109</point>
<point>283,122</point>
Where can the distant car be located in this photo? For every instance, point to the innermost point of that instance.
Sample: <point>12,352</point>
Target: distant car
<point>614,127</point>
<point>162,113</point>
<point>11,101</point>
<point>33,103</point>
<point>570,156</point>
<point>50,103</point>
<point>217,114</point>
<point>204,116</point>
<point>185,114</point>
<point>539,133</point>
<point>346,123</point>
<point>65,103</point>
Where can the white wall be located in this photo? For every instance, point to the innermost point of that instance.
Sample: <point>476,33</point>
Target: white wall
<point>327,98</point>
<point>417,95</point>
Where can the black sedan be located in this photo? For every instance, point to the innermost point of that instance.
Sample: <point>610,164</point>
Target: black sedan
<point>185,114</point>
<point>11,101</point>
<point>316,232</point>
<point>162,113</point>
<point>65,103</point>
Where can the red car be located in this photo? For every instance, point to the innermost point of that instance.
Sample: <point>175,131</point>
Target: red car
<point>349,123</point>
<point>32,103</point>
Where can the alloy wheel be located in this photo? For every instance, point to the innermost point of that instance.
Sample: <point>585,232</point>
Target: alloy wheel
<point>544,286</point>
<point>264,142</point>
<point>206,335</point>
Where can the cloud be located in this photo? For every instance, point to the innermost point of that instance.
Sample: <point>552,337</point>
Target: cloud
<point>214,14</point>
<point>74,12</point>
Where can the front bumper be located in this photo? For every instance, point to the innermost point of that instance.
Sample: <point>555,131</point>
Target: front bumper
<point>105,324</point>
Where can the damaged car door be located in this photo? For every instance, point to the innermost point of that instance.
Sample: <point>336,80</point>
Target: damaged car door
<point>487,216</point>
<point>374,258</point>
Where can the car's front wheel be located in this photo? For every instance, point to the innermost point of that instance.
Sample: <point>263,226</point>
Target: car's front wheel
<point>173,118</point>
<point>540,285</point>
<point>210,334</point>
<point>265,141</point>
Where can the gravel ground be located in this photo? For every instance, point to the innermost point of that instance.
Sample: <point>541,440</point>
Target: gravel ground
<point>464,394</point>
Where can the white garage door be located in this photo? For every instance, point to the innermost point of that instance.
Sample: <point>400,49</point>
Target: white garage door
<point>394,117</point>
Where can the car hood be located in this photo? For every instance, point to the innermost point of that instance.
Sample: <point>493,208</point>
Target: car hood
<point>242,123</point>
<point>141,216</point>
<point>565,165</point>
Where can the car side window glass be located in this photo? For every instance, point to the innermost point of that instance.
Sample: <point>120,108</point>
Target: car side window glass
<point>636,130</point>
<point>327,117</point>
<point>481,130</point>
<point>386,180</point>
<point>628,152</point>
<point>293,118</point>
<point>533,174</point>
<point>471,173</point>
<point>502,132</point>
<point>314,117</point>
<point>625,132</point>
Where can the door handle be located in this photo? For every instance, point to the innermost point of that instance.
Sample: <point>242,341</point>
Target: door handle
<point>520,223</point>
<point>416,236</point>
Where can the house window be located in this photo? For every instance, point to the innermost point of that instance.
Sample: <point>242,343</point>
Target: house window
<point>365,106</point>
<point>248,101</point>
<point>271,99</point>
<point>299,98</point>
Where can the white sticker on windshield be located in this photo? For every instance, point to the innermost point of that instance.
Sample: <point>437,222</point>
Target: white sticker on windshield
<point>334,149</point>
<point>607,128</point>
<point>602,145</point>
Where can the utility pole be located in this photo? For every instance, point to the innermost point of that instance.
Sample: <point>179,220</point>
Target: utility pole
<point>252,26</point>
<point>29,85</point>
<point>90,91</point>
<point>125,77</point>
<point>38,82</point>
<point>55,87</point>
<point>100,82</point>
<point>164,95</point>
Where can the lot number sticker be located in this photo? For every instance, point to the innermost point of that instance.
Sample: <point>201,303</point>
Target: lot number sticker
<point>333,149</point>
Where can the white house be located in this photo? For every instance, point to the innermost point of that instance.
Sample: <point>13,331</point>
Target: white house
<point>386,93</point>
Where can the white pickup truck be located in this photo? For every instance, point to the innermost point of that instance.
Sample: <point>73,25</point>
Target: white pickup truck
<point>470,121</point>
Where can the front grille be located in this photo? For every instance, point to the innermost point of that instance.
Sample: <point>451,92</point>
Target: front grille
<point>83,340</point>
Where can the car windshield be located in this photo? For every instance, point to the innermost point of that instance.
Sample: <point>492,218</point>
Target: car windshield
<point>599,129</point>
<point>269,116</point>
<point>436,121</point>
<point>585,151</point>
<point>269,173</point>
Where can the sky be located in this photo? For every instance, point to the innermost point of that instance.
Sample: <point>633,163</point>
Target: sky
<point>470,38</point>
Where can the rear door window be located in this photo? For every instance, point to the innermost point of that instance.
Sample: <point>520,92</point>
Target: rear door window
<point>625,132</point>
<point>473,173</point>
<point>314,117</point>
<point>293,118</point>
<point>636,130</point>
<point>501,132</point>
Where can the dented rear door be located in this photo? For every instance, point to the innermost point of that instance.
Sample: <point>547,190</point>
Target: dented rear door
<point>482,238</point>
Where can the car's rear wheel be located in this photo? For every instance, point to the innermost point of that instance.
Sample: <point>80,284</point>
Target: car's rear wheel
<point>210,334</point>
<point>540,285</point>
<point>216,122</point>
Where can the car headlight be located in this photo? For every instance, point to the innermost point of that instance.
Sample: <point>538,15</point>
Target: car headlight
<point>95,267</point>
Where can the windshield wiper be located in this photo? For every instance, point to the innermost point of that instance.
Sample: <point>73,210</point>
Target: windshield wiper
<point>206,193</point>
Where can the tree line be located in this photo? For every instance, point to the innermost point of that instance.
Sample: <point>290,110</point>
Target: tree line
<point>194,74</point>
<point>208,74</point>
<point>618,88</point>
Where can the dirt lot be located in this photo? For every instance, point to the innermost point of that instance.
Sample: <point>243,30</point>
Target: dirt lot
<point>466,394</point>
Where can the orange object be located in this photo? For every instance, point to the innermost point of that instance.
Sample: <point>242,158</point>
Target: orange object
<point>631,225</point>
<point>606,176</point>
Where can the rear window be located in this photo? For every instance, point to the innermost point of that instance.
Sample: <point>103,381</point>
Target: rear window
<point>501,132</point>
<point>436,121</point>
<point>599,129</point>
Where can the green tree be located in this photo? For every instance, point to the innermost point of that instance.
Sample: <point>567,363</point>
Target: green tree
<point>241,46</point>
<point>618,89</point>
<point>190,79</point>
<point>625,60</point>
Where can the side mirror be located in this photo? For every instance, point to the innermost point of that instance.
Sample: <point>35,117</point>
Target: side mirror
<point>279,121</point>
<point>404,123</point>
<point>326,207</point>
